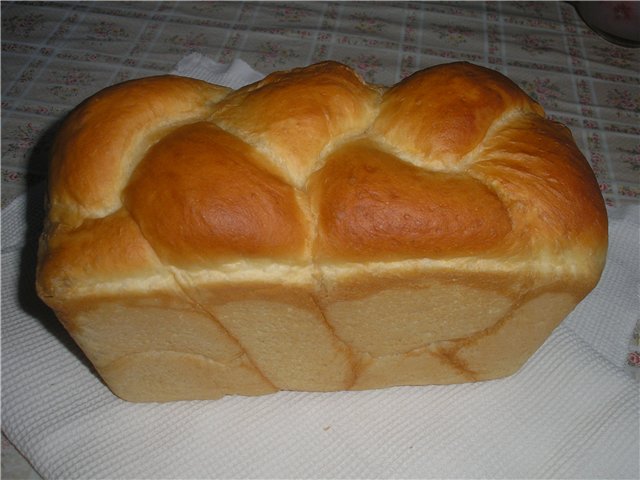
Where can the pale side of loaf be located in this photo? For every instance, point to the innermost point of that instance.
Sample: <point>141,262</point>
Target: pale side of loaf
<point>314,232</point>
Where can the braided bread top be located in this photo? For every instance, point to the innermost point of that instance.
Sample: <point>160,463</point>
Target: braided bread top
<point>314,165</point>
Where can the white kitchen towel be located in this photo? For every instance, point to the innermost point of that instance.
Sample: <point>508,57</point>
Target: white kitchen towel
<point>571,412</point>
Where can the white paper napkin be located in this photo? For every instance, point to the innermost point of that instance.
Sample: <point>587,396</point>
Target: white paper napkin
<point>235,75</point>
<point>571,412</point>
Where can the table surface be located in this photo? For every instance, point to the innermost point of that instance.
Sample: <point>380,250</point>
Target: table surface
<point>55,54</point>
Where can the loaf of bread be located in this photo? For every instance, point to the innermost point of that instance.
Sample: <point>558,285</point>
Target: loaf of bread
<point>314,232</point>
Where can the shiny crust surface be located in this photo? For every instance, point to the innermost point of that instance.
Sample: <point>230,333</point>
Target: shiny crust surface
<point>211,182</point>
<point>312,184</point>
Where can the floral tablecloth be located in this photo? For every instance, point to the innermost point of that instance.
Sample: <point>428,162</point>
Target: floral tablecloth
<point>55,54</point>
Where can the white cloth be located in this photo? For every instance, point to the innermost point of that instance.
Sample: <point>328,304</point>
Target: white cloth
<point>571,412</point>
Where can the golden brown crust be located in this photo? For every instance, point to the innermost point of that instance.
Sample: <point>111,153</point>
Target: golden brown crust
<point>100,142</point>
<point>210,183</point>
<point>292,116</point>
<point>545,182</point>
<point>373,206</point>
<point>442,113</point>
<point>311,231</point>
<point>99,251</point>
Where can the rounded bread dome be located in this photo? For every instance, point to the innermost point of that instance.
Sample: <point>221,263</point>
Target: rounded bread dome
<point>314,165</point>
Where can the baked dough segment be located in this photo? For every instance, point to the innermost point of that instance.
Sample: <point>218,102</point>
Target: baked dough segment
<point>101,141</point>
<point>123,307</point>
<point>440,114</point>
<point>503,349</point>
<point>400,318</point>
<point>552,195</point>
<point>495,352</point>
<point>203,197</point>
<point>166,376</point>
<point>282,328</point>
<point>160,346</point>
<point>293,116</point>
<point>74,262</point>
<point>373,206</point>
<point>409,342</point>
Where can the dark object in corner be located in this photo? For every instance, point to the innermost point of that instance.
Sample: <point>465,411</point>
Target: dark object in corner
<point>616,22</point>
